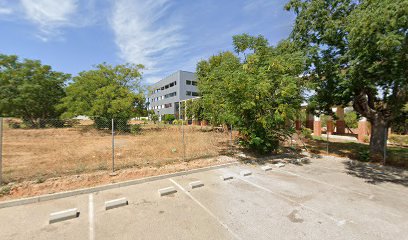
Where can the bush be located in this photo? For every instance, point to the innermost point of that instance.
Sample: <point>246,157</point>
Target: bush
<point>364,156</point>
<point>154,118</point>
<point>178,122</point>
<point>306,133</point>
<point>13,123</point>
<point>401,140</point>
<point>106,123</point>
<point>169,118</point>
<point>351,119</point>
<point>136,129</point>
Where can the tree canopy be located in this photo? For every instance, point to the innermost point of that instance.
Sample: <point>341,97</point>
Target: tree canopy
<point>257,94</point>
<point>357,52</point>
<point>106,92</point>
<point>29,89</point>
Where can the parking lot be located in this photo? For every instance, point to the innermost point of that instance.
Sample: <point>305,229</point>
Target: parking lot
<point>322,199</point>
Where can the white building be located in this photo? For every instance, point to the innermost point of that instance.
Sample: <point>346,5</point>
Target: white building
<point>165,95</point>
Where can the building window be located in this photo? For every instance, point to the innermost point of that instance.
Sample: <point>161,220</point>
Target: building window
<point>170,95</point>
<point>194,83</point>
<point>168,105</point>
<point>194,94</point>
<point>188,82</point>
<point>172,84</point>
<point>188,93</point>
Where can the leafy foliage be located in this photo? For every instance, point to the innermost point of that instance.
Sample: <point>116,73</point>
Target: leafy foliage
<point>357,52</point>
<point>258,95</point>
<point>104,93</point>
<point>30,90</point>
<point>169,118</point>
<point>351,119</point>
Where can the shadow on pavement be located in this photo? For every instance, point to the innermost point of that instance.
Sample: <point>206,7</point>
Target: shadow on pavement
<point>375,174</point>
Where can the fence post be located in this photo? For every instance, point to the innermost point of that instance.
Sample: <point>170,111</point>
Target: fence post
<point>113,147</point>
<point>231,140</point>
<point>1,150</point>
<point>184,145</point>
<point>385,145</point>
<point>327,140</point>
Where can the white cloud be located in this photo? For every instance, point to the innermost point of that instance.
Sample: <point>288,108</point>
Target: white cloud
<point>146,32</point>
<point>5,11</point>
<point>49,15</point>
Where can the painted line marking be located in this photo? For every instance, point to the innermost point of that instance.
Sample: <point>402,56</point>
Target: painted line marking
<point>91,218</point>
<point>205,209</point>
<point>338,222</point>
<point>369,196</point>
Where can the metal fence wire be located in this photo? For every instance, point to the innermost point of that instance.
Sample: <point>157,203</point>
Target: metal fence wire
<point>43,148</point>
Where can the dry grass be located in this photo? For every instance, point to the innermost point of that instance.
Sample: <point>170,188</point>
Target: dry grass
<point>39,154</point>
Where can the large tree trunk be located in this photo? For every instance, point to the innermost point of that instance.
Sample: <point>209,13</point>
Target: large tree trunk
<point>379,119</point>
<point>378,138</point>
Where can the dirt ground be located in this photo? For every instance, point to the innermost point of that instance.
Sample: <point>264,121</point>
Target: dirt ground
<point>40,154</point>
<point>65,183</point>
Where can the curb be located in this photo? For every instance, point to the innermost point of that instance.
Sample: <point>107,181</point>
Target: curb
<point>47,197</point>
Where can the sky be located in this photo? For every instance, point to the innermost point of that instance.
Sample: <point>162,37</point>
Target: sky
<point>163,35</point>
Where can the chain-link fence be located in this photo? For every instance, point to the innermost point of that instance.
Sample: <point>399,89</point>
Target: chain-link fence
<point>43,148</point>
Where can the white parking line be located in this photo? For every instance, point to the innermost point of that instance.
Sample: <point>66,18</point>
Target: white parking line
<point>338,222</point>
<point>91,218</point>
<point>205,209</point>
<point>369,196</point>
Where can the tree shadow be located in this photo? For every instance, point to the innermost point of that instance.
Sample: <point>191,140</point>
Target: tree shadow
<point>376,174</point>
<point>396,156</point>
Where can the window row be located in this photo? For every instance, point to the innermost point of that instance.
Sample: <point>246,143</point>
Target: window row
<point>190,82</point>
<point>164,96</point>
<point>189,93</point>
<point>168,105</point>
<point>165,87</point>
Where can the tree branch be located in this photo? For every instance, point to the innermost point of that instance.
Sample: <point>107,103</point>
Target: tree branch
<point>361,105</point>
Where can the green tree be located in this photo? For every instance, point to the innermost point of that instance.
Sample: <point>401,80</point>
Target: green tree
<point>258,95</point>
<point>30,90</point>
<point>351,119</point>
<point>106,92</point>
<point>357,52</point>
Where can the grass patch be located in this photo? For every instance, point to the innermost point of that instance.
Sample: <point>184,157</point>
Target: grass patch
<point>396,156</point>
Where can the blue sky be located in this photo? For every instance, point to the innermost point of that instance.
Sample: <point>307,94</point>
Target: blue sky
<point>164,35</point>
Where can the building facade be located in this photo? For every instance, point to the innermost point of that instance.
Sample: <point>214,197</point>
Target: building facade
<point>166,95</point>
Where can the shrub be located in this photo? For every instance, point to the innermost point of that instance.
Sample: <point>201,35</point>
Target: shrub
<point>178,122</point>
<point>306,133</point>
<point>351,119</point>
<point>13,124</point>
<point>169,118</point>
<point>154,118</point>
<point>401,140</point>
<point>106,123</point>
<point>136,129</point>
<point>5,190</point>
<point>364,156</point>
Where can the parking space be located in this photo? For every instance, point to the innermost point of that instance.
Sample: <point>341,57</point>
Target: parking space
<point>319,200</point>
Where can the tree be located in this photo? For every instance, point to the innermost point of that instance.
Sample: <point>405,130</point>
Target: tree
<point>105,93</point>
<point>357,52</point>
<point>30,90</point>
<point>258,95</point>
